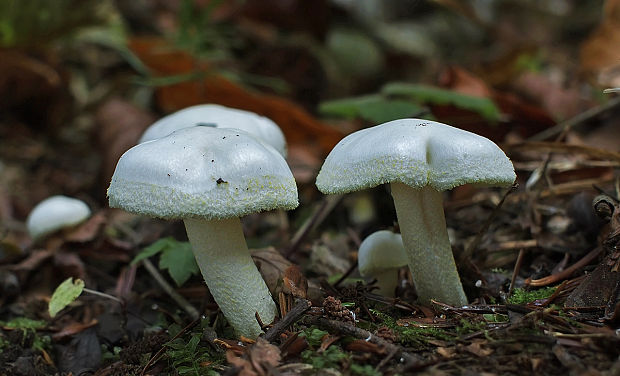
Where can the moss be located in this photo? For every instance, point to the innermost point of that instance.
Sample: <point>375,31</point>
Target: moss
<point>523,296</point>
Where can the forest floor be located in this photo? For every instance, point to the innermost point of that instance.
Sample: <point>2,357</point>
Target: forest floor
<point>539,261</point>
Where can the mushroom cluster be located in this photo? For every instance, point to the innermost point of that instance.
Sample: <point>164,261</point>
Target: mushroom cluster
<point>216,116</point>
<point>209,177</point>
<point>419,159</point>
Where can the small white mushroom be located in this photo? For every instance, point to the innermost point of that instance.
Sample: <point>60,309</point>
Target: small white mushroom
<point>55,213</point>
<point>380,256</point>
<point>216,116</point>
<point>419,159</point>
<point>209,177</point>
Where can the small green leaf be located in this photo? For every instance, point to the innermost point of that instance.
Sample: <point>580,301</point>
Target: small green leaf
<point>180,262</point>
<point>154,248</point>
<point>23,323</point>
<point>347,108</point>
<point>64,295</point>
<point>314,336</point>
<point>373,108</point>
<point>433,95</point>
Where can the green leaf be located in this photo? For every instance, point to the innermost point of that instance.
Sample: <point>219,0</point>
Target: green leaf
<point>153,249</point>
<point>23,323</point>
<point>347,108</point>
<point>180,262</point>
<point>428,94</point>
<point>373,108</point>
<point>64,295</point>
<point>314,336</point>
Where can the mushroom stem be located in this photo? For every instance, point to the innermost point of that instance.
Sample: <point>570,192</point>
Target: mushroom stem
<point>230,273</point>
<point>423,227</point>
<point>387,281</point>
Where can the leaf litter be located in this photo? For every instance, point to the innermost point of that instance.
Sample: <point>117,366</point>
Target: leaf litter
<point>540,270</point>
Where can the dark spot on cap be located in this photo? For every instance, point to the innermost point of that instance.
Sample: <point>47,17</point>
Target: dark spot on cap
<point>220,181</point>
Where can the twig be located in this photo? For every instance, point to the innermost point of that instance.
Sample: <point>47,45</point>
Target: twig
<point>347,329</point>
<point>515,271</point>
<point>585,260</point>
<point>572,122</point>
<point>104,295</point>
<point>328,204</point>
<point>466,255</point>
<point>291,317</point>
<point>158,354</point>
<point>181,301</point>
<point>345,275</point>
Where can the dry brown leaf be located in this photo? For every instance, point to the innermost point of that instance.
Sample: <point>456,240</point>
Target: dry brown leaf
<point>295,283</point>
<point>522,117</point>
<point>163,59</point>
<point>360,345</point>
<point>120,126</point>
<point>72,328</point>
<point>258,360</point>
<point>70,265</point>
<point>271,265</point>
<point>476,348</point>
<point>600,55</point>
<point>88,230</point>
<point>33,261</point>
<point>446,352</point>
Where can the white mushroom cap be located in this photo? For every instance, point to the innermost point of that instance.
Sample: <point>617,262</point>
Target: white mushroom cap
<point>218,117</point>
<point>414,152</point>
<point>202,172</point>
<point>380,251</point>
<point>55,213</point>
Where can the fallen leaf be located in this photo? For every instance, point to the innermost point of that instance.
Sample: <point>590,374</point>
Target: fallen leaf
<point>522,117</point>
<point>477,349</point>
<point>64,295</point>
<point>33,261</point>
<point>120,126</point>
<point>271,265</point>
<point>69,264</point>
<point>600,55</point>
<point>295,283</point>
<point>72,329</point>
<point>298,126</point>
<point>446,352</point>
<point>88,230</point>
<point>258,359</point>
<point>361,345</point>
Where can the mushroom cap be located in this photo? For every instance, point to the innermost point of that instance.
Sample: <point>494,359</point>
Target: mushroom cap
<point>55,213</point>
<point>218,117</point>
<point>414,152</point>
<point>202,172</point>
<point>380,251</point>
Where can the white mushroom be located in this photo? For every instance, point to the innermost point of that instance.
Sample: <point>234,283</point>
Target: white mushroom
<point>217,116</point>
<point>419,159</point>
<point>210,177</point>
<point>55,213</point>
<point>380,256</point>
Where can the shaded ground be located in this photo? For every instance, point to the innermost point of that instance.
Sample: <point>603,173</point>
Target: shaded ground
<point>539,262</point>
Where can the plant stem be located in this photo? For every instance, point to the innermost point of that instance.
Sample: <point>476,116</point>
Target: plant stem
<point>178,298</point>
<point>423,227</point>
<point>231,275</point>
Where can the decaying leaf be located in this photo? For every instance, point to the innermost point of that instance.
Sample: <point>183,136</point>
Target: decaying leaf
<point>208,86</point>
<point>259,359</point>
<point>600,55</point>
